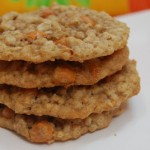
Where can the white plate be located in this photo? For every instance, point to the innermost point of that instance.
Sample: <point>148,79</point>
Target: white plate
<point>130,131</point>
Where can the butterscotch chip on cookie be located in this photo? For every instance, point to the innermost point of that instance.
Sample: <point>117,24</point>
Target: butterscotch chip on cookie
<point>60,32</point>
<point>47,129</point>
<point>76,101</point>
<point>61,73</point>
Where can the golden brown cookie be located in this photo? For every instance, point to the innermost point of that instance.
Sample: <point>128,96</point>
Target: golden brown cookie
<point>61,73</point>
<point>48,129</point>
<point>76,101</point>
<point>60,32</point>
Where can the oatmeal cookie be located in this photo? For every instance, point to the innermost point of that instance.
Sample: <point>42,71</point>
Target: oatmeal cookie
<point>61,73</point>
<point>60,32</point>
<point>76,101</point>
<point>47,129</point>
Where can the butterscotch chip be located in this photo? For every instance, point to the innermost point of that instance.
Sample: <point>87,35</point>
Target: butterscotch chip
<point>46,12</point>
<point>61,73</point>
<point>48,129</point>
<point>31,36</point>
<point>41,132</point>
<point>60,32</point>
<point>88,20</point>
<point>8,113</point>
<point>76,101</point>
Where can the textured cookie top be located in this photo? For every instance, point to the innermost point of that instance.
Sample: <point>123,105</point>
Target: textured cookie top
<point>76,101</point>
<point>61,73</point>
<point>60,32</point>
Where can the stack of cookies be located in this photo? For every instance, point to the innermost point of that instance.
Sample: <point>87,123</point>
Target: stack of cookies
<point>64,71</point>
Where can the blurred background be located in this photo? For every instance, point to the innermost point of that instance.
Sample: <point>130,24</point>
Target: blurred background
<point>113,7</point>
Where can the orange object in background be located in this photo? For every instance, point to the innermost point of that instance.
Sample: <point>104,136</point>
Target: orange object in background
<point>117,7</point>
<point>136,5</point>
<point>113,7</point>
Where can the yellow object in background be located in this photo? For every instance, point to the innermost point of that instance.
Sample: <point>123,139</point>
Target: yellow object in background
<point>10,5</point>
<point>114,7</point>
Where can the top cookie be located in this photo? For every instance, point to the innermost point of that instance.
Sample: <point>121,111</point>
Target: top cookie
<point>60,32</point>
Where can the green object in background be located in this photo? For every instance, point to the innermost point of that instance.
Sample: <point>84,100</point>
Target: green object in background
<point>84,2</point>
<point>39,3</point>
<point>30,3</point>
<point>15,0</point>
<point>63,2</point>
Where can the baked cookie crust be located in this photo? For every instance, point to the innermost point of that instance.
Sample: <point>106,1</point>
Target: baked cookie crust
<point>61,73</point>
<point>48,129</point>
<point>76,101</point>
<point>60,32</point>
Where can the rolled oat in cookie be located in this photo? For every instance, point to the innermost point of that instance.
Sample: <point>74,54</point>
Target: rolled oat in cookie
<point>61,73</point>
<point>60,32</point>
<point>76,101</point>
